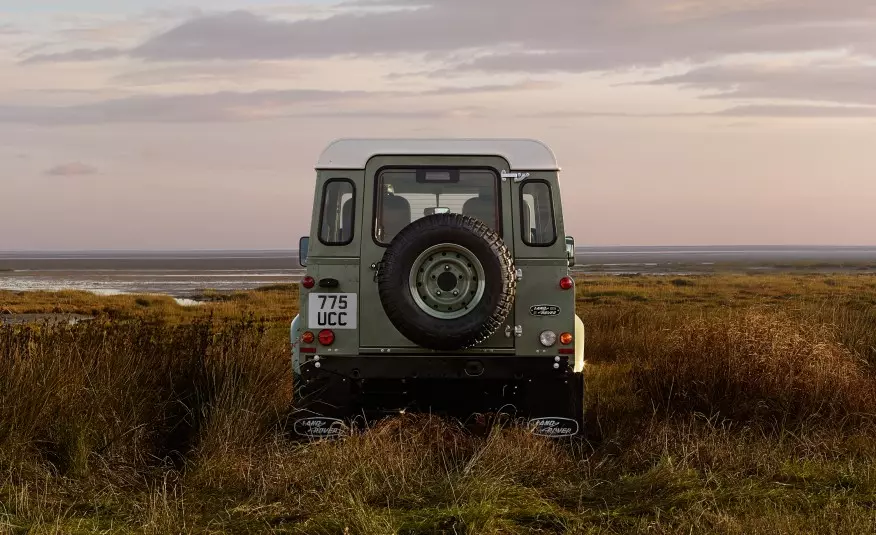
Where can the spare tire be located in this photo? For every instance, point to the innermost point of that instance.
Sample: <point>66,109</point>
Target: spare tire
<point>447,282</point>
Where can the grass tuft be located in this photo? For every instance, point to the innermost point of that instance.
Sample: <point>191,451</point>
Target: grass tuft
<point>755,365</point>
<point>724,404</point>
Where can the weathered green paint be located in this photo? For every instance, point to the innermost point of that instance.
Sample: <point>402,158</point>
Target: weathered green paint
<point>346,341</point>
<point>379,332</point>
<point>542,268</point>
<point>510,371</point>
<point>352,264</point>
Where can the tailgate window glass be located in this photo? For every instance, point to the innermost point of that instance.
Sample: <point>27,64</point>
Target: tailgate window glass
<point>405,195</point>
<point>537,214</point>
<point>338,211</point>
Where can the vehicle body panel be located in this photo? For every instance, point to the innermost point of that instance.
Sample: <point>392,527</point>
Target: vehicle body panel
<point>373,370</point>
<point>378,334</point>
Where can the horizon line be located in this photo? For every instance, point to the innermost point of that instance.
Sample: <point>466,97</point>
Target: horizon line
<point>295,249</point>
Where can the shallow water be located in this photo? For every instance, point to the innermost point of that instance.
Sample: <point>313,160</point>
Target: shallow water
<point>186,273</point>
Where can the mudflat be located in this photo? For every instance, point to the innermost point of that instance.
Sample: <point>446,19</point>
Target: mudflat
<point>21,319</point>
<point>188,273</point>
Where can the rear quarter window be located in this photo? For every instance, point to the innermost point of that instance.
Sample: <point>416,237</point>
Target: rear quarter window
<point>537,222</point>
<point>337,215</point>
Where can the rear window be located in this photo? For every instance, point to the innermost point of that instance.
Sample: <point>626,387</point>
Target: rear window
<point>537,214</point>
<point>337,214</point>
<point>406,195</point>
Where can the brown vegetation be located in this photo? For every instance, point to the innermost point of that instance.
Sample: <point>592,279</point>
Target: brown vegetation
<point>722,404</point>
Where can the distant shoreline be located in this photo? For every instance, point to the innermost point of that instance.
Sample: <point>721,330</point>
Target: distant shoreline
<point>288,260</point>
<point>186,273</point>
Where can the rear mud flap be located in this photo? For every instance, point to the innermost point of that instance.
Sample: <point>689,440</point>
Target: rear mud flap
<point>554,427</point>
<point>320,427</point>
<point>332,405</point>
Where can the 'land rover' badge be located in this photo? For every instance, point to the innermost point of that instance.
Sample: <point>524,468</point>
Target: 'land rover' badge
<point>544,310</point>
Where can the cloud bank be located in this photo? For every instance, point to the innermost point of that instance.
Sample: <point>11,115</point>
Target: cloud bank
<point>576,35</point>
<point>233,106</point>
<point>214,116</point>
<point>72,169</point>
<point>498,37</point>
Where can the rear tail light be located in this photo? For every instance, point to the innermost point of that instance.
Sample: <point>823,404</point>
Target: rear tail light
<point>326,337</point>
<point>548,338</point>
<point>307,337</point>
<point>566,283</point>
<point>308,282</point>
<point>566,338</point>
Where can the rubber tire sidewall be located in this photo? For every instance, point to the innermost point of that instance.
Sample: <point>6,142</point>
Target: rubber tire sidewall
<point>485,318</point>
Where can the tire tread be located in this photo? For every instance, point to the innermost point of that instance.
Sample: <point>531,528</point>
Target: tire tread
<point>394,264</point>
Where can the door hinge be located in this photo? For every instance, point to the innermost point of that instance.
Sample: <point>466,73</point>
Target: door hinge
<point>376,267</point>
<point>517,331</point>
<point>517,177</point>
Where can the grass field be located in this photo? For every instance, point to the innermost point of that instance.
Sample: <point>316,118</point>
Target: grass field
<point>716,404</point>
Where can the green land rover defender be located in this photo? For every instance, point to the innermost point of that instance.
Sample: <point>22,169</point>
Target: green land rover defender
<point>437,281</point>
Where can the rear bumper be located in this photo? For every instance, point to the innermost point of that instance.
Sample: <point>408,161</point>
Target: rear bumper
<point>428,366</point>
<point>366,388</point>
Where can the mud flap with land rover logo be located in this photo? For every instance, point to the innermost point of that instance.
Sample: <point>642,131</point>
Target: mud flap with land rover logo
<point>554,427</point>
<point>320,427</point>
<point>349,393</point>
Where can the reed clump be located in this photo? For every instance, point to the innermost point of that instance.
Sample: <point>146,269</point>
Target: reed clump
<point>719,405</point>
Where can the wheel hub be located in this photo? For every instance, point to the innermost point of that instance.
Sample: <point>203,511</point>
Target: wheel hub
<point>447,280</point>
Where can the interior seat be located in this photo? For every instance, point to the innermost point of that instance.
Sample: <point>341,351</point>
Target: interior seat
<point>346,221</point>
<point>483,208</point>
<point>526,229</point>
<point>396,215</point>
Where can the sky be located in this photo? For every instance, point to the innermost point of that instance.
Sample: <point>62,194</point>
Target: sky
<point>158,124</point>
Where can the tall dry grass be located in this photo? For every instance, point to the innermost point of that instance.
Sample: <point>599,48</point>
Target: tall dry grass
<point>754,365</point>
<point>714,405</point>
<point>136,393</point>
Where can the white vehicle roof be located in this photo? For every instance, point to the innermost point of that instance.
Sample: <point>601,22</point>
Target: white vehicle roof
<point>522,154</point>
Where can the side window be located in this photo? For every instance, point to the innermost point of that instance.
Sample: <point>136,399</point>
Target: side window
<point>338,212</point>
<point>537,214</point>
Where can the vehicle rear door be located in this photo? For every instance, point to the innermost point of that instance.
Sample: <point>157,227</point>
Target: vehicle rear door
<point>377,333</point>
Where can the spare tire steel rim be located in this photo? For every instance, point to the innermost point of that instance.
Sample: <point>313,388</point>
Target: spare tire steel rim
<point>447,281</point>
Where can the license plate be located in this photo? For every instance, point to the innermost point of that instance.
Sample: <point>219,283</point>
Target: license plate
<point>331,311</point>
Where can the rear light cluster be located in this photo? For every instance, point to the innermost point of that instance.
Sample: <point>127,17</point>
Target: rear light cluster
<point>308,282</point>
<point>326,337</point>
<point>566,283</point>
<point>549,338</point>
<point>566,339</point>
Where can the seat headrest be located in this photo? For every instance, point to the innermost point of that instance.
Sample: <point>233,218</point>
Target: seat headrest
<point>481,208</point>
<point>396,215</point>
